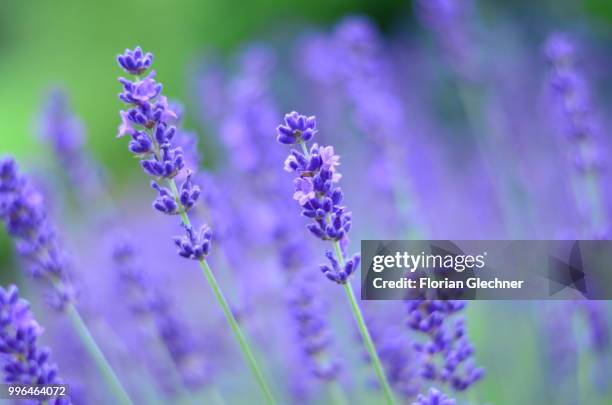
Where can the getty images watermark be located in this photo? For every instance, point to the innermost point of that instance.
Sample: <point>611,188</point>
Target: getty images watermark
<point>486,270</point>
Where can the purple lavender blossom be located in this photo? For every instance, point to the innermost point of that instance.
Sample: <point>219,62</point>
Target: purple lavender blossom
<point>147,301</point>
<point>572,101</point>
<point>316,192</point>
<point>135,62</point>
<point>251,112</point>
<point>447,351</point>
<point>23,361</point>
<point>448,20</point>
<point>313,335</point>
<point>149,122</point>
<point>194,245</point>
<point>65,133</point>
<point>396,354</point>
<point>434,397</point>
<point>297,129</point>
<point>366,79</point>
<point>569,87</point>
<point>22,209</point>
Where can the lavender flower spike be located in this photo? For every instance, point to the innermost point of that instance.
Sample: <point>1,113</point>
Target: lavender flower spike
<point>446,351</point>
<point>36,240</point>
<point>320,199</point>
<point>434,397</point>
<point>575,108</point>
<point>23,361</point>
<point>149,120</point>
<point>23,212</point>
<point>65,134</point>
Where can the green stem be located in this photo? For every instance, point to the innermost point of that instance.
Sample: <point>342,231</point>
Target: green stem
<point>212,281</point>
<point>365,334</point>
<point>304,149</point>
<point>96,354</point>
<point>337,394</point>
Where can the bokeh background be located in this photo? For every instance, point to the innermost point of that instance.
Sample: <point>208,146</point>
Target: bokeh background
<point>73,44</point>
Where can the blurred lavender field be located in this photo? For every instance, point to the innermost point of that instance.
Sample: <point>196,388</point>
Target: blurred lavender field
<point>452,119</point>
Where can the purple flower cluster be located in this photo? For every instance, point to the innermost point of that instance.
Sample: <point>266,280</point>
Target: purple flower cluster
<point>445,341</point>
<point>298,128</point>
<point>316,192</point>
<point>572,98</point>
<point>366,78</point>
<point>23,212</point>
<point>434,397</point>
<point>149,122</point>
<point>448,20</point>
<point>313,335</point>
<point>147,301</point>
<point>23,361</point>
<point>251,112</point>
<point>572,102</point>
<point>135,62</point>
<point>396,354</point>
<point>65,134</point>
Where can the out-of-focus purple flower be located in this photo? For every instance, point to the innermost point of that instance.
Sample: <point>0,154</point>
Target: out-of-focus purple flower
<point>150,121</point>
<point>64,132</point>
<point>313,335</point>
<point>22,209</point>
<point>434,397</point>
<point>569,87</point>
<point>572,102</point>
<point>397,356</point>
<point>147,301</point>
<point>447,352</point>
<point>317,194</point>
<point>448,19</point>
<point>23,361</point>
<point>135,62</point>
<point>251,111</point>
<point>597,318</point>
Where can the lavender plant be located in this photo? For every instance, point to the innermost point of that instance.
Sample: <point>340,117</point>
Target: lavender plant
<point>573,104</point>
<point>64,132</point>
<point>23,211</point>
<point>448,20</point>
<point>397,355</point>
<point>148,121</point>
<point>23,360</point>
<point>320,198</point>
<point>244,128</point>
<point>312,332</point>
<point>147,301</point>
<point>446,353</point>
<point>365,81</point>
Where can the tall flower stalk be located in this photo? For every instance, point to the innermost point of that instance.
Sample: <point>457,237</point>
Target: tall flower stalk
<point>570,96</point>
<point>37,242</point>
<point>148,121</point>
<point>446,351</point>
<point>320,198</point>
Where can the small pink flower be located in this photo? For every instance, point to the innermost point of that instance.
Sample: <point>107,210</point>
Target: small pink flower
<point>126,127</point>
<point>304,190</point>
